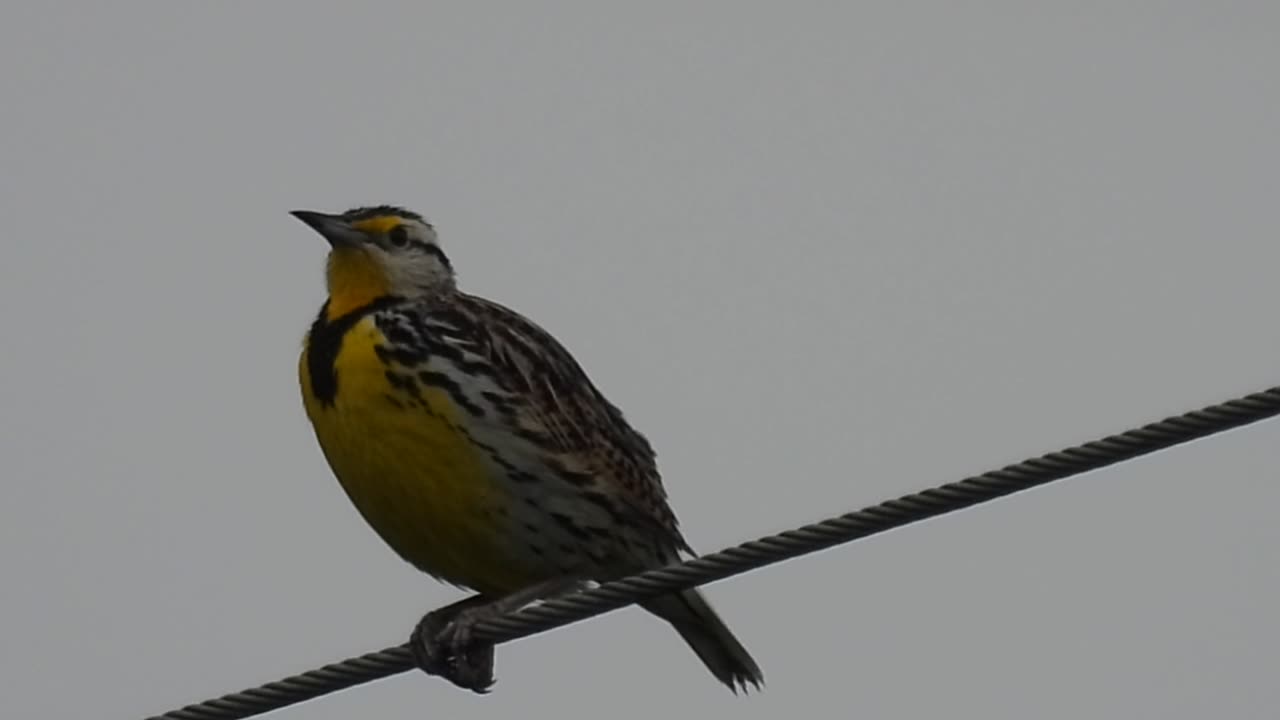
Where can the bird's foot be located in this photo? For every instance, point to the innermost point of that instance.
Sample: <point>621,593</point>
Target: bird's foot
<point>441,646</point>
<point>443,643</point>
<point>471,662</point>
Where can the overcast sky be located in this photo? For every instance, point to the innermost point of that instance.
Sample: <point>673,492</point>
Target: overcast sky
<point>821,255</point>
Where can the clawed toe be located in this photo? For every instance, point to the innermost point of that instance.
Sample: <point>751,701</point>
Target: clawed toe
<point>442,645</point>
<point>429,654</point>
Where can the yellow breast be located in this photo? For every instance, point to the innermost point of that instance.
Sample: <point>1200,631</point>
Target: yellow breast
<point>409,470</point>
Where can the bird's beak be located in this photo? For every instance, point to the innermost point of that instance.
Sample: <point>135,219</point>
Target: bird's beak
<point>337,231</point>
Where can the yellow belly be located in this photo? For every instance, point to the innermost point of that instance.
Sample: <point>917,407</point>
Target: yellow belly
<point>409,471</point>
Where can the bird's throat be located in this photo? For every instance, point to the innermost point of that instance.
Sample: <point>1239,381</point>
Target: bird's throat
<point>355,281</point>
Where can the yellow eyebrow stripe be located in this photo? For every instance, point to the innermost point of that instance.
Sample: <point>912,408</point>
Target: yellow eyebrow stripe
<point>377,225</point>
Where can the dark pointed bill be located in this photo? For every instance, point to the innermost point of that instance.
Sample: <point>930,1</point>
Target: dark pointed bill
<point>333,228</point>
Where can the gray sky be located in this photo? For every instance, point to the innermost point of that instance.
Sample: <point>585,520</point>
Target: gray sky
<point>821,255</point>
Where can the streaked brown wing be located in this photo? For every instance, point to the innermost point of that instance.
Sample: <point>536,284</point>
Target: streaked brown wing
<point>582,430</point>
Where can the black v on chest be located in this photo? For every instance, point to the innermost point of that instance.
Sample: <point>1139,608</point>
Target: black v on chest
<point>325,341</point>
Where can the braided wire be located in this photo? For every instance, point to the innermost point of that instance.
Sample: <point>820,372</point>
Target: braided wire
<point>759,553</point>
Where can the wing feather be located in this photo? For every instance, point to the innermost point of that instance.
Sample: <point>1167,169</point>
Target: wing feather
<point>584,434</point>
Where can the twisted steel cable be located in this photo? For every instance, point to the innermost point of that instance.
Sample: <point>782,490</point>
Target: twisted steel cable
<point>759,553</point>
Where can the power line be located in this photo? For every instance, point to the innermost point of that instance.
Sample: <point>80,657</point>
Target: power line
<point>759,553</point>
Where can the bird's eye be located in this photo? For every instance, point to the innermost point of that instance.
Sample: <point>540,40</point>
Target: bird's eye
<point>398,236</point>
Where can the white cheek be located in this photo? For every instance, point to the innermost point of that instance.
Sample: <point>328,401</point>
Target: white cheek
<point>410,274</point>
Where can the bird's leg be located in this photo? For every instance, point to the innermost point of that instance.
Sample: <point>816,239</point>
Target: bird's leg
<point>443,643</point>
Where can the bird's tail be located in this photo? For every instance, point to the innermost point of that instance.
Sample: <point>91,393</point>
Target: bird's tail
<point>709,637</point>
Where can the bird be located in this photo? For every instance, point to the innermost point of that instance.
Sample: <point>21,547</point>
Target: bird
<point>477,448</point>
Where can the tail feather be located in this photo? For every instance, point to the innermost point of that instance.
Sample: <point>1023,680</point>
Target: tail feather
<point>709,637</point>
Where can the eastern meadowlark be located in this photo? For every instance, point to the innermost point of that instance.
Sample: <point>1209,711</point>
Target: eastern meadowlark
<point>477,448</point>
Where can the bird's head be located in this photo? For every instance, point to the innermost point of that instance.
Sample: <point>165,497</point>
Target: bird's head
<point>379,252</point>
